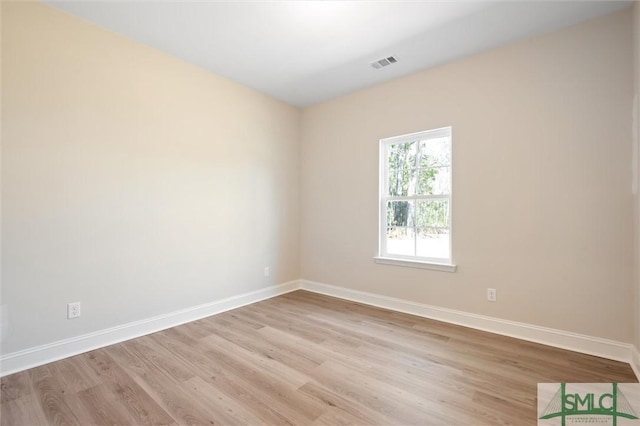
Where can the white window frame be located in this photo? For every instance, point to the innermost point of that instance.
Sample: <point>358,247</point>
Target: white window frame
<point>440,264</point>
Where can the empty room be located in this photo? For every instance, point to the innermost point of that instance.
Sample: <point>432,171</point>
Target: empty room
<point>320,213</point>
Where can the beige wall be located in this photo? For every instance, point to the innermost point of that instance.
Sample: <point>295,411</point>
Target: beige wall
<point>132,182</point>
<point>636,200</point>
<point>542,203</point>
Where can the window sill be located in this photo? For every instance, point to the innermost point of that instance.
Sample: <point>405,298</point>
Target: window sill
<point>445,267</point>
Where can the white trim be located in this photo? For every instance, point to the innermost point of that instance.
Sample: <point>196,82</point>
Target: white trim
<point>442,132</point>
<point>415,264</point>
<point>39,355</point>
<point>384,197</point>
<point>44,354</point>
<point>635,361</point>
<point>597,346</point>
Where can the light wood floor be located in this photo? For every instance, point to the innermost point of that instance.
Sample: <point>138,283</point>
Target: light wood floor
<point>301,359</point>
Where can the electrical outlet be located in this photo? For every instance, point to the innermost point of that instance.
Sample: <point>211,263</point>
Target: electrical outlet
<point>266,271</point>
<point>73,310</point>
<point>492,294</point>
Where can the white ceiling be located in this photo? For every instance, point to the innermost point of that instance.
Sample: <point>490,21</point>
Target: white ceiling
<point>305,52</point>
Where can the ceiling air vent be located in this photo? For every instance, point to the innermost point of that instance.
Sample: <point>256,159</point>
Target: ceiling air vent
<point>384,62</point>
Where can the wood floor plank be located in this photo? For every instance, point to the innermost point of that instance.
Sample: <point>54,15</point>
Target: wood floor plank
<point>224,408</point>
<point>22,411</point>
<point>301,359</point>
<point>336,417</point>
<point>287,373</point>
<point>351,408</point>
<point>14,386</point>
<point>74,375</point>
<point>162,387</point>
<point>152,356</point>
<point>214,372</point>
<point>131,398</point>
<point>405,406</point>
<point>276,391</point>
<point>102,408</point>
<point>58,406</point>
<point>295,356</point>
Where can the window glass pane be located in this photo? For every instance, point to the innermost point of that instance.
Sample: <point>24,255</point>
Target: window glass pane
<point>400,213</point>
<point>400,241</point>
<point>442,181</point>
<point>435,152</point>
<point>432,243</point>
<point>401,164</point>
<point>433,161</point>
<point>432,213</point>
<point>434,181</point>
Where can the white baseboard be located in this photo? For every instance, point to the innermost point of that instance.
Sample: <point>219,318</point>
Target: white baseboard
<point>39,355</point>
<point>604,348</point>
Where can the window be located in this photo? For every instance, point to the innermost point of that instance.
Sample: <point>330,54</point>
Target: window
<point>415,200</point>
